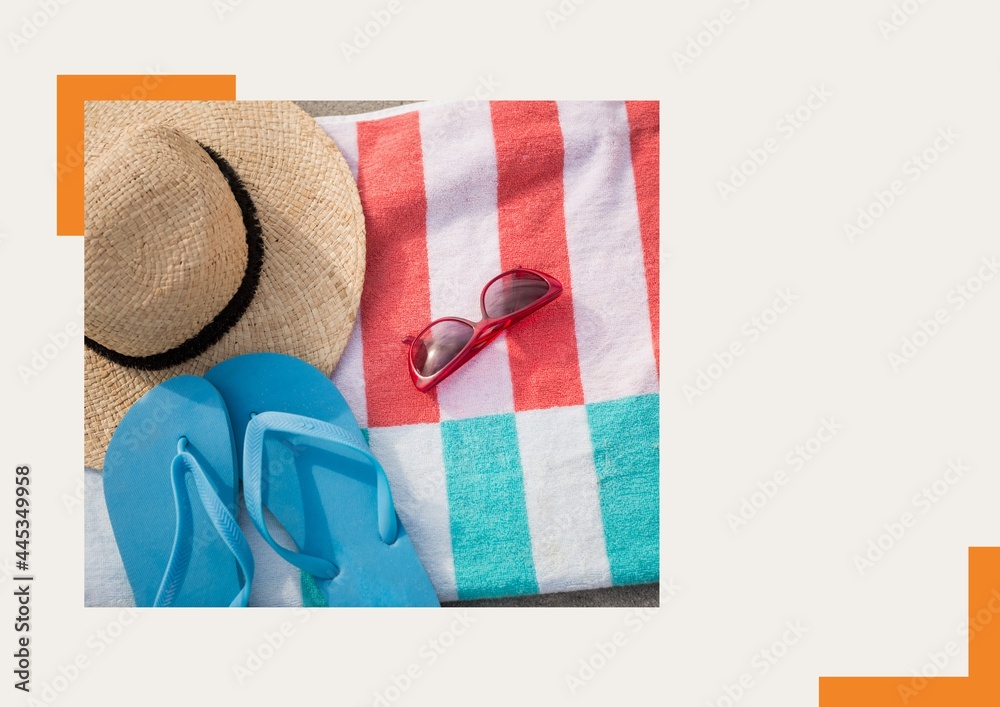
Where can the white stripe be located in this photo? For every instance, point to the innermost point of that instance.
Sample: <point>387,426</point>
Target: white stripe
<point>413,459</point>
<point>610,304</point>
<point>560,492</point>
<point>463,246</point>
<point>349,375</point>
<point>345,135</point>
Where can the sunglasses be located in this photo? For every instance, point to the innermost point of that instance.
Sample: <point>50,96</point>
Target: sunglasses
<point>446,344</point>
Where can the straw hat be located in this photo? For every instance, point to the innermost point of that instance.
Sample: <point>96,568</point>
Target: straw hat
<point>213,229</point>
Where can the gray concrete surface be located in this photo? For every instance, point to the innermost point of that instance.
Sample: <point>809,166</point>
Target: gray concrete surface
<point>318,108</point>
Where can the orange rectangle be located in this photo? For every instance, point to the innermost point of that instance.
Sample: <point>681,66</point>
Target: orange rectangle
<point>73,90</point>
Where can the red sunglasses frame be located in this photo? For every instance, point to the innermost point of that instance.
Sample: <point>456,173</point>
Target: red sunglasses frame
<point>483,332</point>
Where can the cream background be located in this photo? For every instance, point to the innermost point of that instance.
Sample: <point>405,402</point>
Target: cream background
<point>825,357</point>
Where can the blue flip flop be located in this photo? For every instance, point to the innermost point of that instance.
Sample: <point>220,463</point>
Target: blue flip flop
<point>170,480</point>
<point>302,456</point>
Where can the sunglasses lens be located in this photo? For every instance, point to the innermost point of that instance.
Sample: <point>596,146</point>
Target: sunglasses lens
<point>439,345</point>
<point>513,292</point>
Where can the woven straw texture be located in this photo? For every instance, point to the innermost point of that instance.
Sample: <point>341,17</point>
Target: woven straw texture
<point>165,245</point>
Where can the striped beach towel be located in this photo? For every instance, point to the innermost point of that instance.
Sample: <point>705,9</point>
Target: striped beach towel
<point>535,467</point>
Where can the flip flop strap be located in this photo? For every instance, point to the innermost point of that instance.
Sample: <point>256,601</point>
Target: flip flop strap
<point>225,524</point>
<point>322,435</point>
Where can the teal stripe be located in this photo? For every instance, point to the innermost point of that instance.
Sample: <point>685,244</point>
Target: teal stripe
<point>491,543</point>
<point>626,438</point>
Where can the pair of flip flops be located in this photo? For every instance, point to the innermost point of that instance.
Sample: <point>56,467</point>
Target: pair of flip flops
<point>172,472</point>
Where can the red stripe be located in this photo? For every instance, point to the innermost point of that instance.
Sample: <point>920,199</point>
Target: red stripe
<point>644,131</point>
<point>396,297</point>
<point>545,369</point>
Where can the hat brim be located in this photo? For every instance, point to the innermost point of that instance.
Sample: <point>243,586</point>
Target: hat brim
<point>313,229</point>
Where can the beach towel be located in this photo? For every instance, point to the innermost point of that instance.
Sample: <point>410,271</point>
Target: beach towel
<point>535,467</point>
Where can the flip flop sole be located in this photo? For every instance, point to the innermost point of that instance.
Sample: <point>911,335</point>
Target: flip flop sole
<point>140,497</point>
<point>326,502</point>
